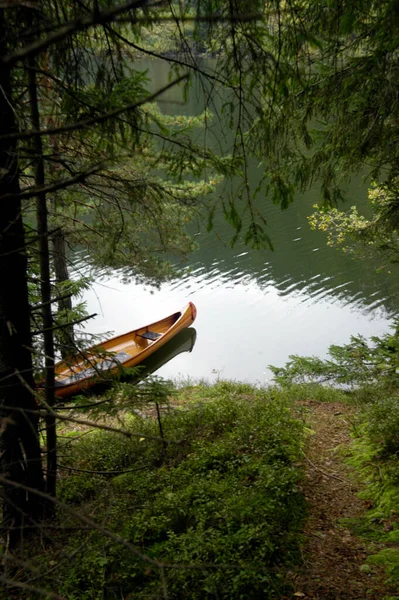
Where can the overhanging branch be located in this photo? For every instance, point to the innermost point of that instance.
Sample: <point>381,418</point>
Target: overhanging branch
<point>60,185</point>
<point>74,26</point>
<point>94,120</point>
<point>114,15</point>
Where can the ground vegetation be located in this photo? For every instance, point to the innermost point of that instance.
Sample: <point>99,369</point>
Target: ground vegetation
<point>210,508</point>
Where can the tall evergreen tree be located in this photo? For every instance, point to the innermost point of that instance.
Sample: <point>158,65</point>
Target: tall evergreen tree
<point>81,131</point>
<point>20,454</point>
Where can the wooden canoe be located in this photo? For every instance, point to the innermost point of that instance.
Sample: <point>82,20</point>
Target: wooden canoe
<point>184,341</point>
<point>123,351</point>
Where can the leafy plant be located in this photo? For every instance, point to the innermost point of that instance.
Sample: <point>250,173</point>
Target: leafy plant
<point>388,558</point>
<point>356,363</point>
<point>383,424</point>
<point>355,234</point>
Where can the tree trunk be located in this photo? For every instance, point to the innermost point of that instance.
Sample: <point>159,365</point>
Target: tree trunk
<point>20,455</point>
<point>45,285</point>
<point>65,304</point>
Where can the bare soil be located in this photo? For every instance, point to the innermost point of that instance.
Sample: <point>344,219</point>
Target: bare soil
<point>332,555</point>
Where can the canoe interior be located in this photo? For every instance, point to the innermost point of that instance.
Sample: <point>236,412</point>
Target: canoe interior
<point>125,347</point>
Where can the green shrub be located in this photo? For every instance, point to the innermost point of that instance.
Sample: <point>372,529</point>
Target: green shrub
<point>383,424</point>
<point>389,559</point>
<point>78,488</point>
<point>378,466</point>
<point>85,576</point>
<point>222,502</point>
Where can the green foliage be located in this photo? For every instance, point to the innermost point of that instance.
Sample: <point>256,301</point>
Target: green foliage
<point>361,236</point>
<point>378,469</point>
<point>383,423</point>
<point>328,110</point>
<point>86,574</point>
<point>376,461</point>
<point>389,559</point>
<point>223,499</point>
<point>306,88</point>
<point>78,488</point>
<point>356,363</point>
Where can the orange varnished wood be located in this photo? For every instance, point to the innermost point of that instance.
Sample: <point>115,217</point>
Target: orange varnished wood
<point>135,348</point>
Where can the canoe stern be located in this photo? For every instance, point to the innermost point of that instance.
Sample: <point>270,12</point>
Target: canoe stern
<point>193,311</point>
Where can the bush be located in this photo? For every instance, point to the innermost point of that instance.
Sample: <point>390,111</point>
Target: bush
<point>358,363</point>
<point>383,424</point>
<point>224,504</point>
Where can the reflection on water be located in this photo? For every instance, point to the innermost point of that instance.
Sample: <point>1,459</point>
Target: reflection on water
<point>257,307</point>
<point>243,326</point>
<point>184,341</point>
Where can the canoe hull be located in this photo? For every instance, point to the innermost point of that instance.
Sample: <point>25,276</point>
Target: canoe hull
<point>124,351</point>
<point>184,341</point>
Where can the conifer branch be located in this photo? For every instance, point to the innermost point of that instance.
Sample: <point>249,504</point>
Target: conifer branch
<point>74,26</point>
<point>53,187</point>
<point>94,120</point>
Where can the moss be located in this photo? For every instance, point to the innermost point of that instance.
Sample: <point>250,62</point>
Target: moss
<point>389,559</point>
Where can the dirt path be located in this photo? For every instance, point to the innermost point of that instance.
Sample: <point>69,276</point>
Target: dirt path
<point>332,555</point>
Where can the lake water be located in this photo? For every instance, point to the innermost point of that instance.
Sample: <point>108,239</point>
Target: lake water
<point>256,307</point>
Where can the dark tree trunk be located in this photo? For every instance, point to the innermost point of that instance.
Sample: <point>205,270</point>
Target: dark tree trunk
<point>20,455</point>
<point>45,285</point>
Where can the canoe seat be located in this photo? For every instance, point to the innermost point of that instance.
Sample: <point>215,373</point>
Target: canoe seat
<point>150,335</point>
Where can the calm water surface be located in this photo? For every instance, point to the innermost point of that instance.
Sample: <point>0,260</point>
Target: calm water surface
<point>255,308</point>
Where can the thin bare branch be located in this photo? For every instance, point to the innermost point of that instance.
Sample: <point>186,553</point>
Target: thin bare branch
<point>192,66</point>
<point>123,432</point>
<point>37,307</point>
<point>53,187</point>
<point>141,468</point>
<point>106,17</point>
<point>64,325</point>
